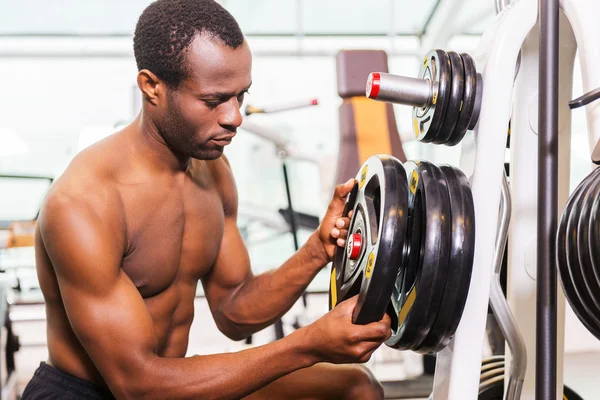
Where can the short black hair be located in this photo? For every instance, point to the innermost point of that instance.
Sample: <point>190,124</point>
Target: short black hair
<point>166,28</point>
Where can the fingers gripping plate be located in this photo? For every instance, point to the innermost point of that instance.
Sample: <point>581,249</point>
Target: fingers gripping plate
<point>378,226</point>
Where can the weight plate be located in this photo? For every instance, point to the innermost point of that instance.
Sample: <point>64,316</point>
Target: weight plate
<point>571,247</point>
<point>593,240</point>
<point>494,390</point>
<point>562,261</point>
<point>584,248</point>
<point>468,103</point>
<point>419,286</point>
<point>460,266</point>
<point>569,394</point>
<point>379,204</point>
<point>455,98</point>
<point>427,121</point>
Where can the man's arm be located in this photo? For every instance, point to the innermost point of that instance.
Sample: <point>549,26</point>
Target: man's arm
<point>111,321</point>
<point>242,303</point>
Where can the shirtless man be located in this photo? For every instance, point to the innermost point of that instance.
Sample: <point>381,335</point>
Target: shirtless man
<point>136,220</point>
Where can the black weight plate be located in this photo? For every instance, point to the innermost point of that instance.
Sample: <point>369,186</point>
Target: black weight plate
<point>571,247</point>
<point>468,103</point>
<point>569,394</point>
<point>418,289</point>
<point>594,239</point>
<point>338,257</point>
<point>455,98</point>
<point>380,210</point>
<point>562,261</point>
<point>460,266</point>
<point>494,390</point>
<point>584,247</point>
<point>427,121</point>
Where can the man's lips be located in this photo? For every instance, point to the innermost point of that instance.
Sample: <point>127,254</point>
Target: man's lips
<point>222,141</point>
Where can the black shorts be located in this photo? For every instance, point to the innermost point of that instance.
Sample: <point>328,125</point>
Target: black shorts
<point>50,383</point>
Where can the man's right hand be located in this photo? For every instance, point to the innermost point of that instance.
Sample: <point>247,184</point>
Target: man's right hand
<point>335,339</point>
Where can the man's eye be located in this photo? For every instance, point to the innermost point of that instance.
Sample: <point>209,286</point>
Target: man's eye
<point>212,104</point>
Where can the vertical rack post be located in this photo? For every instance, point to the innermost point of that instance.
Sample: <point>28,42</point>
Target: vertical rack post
<point>546,333</point>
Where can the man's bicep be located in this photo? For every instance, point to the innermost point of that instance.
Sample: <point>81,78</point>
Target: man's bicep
<point>104,308</point>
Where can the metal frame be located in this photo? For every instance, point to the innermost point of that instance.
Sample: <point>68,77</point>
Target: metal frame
<point>458,366</point>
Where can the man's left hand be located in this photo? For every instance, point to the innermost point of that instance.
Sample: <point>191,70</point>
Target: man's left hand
<point>334,227</point>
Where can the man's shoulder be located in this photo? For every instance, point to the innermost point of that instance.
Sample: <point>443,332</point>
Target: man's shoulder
<point>84,187</point>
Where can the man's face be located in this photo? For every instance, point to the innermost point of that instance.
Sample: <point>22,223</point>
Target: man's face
<point>202,115</point>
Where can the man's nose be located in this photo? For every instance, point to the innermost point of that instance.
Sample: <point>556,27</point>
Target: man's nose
<point>231,118</point>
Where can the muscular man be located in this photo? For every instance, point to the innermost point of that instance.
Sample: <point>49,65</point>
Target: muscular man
<point>136,220</point>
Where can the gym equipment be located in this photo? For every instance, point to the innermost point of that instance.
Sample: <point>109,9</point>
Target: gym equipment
<point>506,321</point>
<point>291,217</point>
<point>249,110</point>
<point>429,280</point>
<point>493,389</point>
<point>446,96</point>
<point>377,231</point>
<point>502,100</point>
<point>491,382</point>
<point>419,287</point>
<point>576,252</point>
<point>460,264</point>
<point>366,127</point>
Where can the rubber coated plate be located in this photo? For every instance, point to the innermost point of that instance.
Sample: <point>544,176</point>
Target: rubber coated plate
<point>584,248</point>
<point>455,98</point>
<point>468,104</point>
<point>427,121</point>
<point>593,240</point>
<point>495,391</point>
<point>379,202</point>
<point>575,268</point>
<point>591,323</point>
<point>419,287</point>
<point>460,266</point>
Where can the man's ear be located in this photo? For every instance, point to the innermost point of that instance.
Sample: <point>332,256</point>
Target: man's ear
<point>153,89</point>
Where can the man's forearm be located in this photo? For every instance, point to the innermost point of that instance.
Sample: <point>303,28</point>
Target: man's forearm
<point>263,299</point>
<point>219,376</point>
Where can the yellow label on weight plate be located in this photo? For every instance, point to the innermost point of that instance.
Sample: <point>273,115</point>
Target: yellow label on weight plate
<point>425,61</point>
<point>333,289</point>
<point>414,181</point>
<point>370,265</point>
<point>416,127</point>
<point>410,300</point>
<point>363,176</point>
<point>435,94</point>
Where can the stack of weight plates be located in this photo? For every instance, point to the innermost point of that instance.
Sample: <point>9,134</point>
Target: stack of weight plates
<point>578,252</point>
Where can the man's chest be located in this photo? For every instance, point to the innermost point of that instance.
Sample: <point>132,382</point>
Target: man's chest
<point>173,235</point>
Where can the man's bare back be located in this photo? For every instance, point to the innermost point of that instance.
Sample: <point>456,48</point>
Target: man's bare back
<point>138,219</point>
